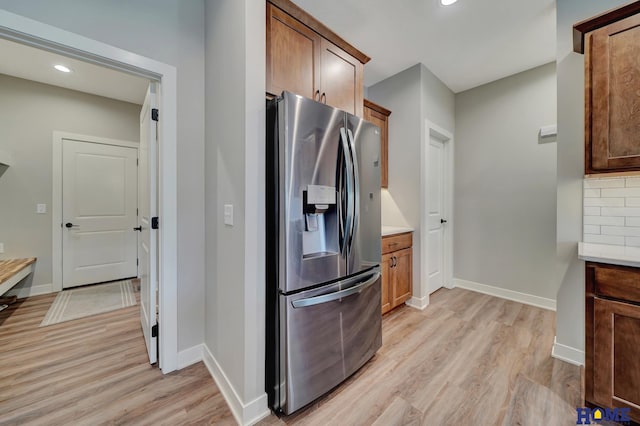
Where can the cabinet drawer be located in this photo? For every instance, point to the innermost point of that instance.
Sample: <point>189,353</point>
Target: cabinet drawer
<point>396,242</point>
<point>618,282</point>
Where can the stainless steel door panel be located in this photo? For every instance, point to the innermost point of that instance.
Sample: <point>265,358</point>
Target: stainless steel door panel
<point>309,147</point>
<point>327,341</point>
<point>366,243</point>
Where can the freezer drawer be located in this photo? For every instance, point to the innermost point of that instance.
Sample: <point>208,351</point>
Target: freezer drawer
<point>328,334</point>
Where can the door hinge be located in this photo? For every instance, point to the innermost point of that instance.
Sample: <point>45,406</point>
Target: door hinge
<point>154,114</point>
<point>154,222</point>
<point>137,162</point>
<point>138,262</point>
<point>137,212</point>
<point>154,331</point>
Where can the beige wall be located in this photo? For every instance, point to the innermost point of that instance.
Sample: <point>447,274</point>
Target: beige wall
<point>413,95</point>
<point>29,113</point>
<point>505,184</point>
<point>235,152</point>
<point>570,272</point>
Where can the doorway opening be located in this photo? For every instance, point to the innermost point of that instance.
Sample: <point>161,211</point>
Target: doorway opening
<point>50,39</point>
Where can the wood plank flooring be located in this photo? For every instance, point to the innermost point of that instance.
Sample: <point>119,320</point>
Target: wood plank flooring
<point>467,359</point>
<point>94,371</point>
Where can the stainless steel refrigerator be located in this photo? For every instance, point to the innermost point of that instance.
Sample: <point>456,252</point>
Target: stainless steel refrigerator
<point>323,248</point>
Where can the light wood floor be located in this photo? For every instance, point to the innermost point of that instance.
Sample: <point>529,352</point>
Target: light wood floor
<point>94,371</point>
<point>467,359</point>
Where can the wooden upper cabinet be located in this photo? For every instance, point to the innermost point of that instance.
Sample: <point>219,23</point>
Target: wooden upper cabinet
<point>293,49</point>
<point>307,58</point>
<point>341,84</point>
<point>612,91</point>
<point>379,116</point>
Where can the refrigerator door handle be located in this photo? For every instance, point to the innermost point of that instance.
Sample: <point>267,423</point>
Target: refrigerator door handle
<point>356,186</point>
<point>348,160</point>
<point>316,300</point>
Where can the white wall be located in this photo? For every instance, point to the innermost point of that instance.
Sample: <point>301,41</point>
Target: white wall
<point>505,184</point>
<point>570,70</point>
<point>235,150</point>
<point>413,95</point>
<point>29,113</point>
<point>171,32</point>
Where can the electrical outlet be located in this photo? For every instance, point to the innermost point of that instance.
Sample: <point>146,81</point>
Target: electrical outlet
<point>1,248</point>
<point>41,208</point>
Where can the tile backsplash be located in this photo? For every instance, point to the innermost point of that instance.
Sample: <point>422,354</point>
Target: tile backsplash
<point>612,211</point>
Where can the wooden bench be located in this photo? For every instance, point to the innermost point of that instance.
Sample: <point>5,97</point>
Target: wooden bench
<point>13,271</point>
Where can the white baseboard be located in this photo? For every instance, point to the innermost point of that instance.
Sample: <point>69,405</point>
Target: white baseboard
<point>567,353</point>
<point>189,356</point>
<point>418,302</point>
<point>35,290</point>
<point>245,414</point>
<point>527,299</point>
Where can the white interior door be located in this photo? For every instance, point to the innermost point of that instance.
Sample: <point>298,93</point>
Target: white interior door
<point>437,219</point>
<point>99,200</point>
<point>147,242</point>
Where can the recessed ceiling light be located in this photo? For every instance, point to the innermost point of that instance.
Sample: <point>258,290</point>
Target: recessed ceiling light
<point>62,68</point>
<point>447,2</point>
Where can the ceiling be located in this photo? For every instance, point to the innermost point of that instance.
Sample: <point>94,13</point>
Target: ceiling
<point>465,45</point>
<point>27,62</point>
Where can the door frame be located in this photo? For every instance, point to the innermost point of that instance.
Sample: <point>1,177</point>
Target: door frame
<point>47,37</point>
<point>446,137</point>
<point>56,200</point>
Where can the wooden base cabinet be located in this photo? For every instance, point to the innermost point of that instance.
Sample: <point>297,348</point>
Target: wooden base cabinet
<point>397,270</point>
<point>612,364</point>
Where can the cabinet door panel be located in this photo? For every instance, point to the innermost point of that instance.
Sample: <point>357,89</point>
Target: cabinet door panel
<point>342,79</point>
<point>386,283</point>
<point>403,275</point>
<point>613,104</point>
<point>381,121</point>
<point>616,362</point>
<point>292,55</point>
<point>626,367</point>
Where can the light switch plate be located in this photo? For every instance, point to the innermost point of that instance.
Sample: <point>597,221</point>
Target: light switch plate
<point>228,214</point>
<point>41,208</point>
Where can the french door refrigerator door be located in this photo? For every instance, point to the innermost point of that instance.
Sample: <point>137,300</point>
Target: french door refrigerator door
<point>329,333</point>
<point>365,248</point>
<point>309,152</point>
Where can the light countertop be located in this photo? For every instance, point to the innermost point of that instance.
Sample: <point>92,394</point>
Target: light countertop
<point>392,230</point>
<point>604,253</point>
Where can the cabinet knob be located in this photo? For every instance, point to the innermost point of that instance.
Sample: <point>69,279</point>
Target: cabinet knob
<point>316,96</point>
<point>324,95</point>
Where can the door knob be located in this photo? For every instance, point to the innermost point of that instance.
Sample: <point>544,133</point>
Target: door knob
<point>71,225</point>
<point>443,220</point>
<point>139,229</point>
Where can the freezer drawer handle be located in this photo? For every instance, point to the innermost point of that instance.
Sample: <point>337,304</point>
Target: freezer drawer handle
<point>316,300</point>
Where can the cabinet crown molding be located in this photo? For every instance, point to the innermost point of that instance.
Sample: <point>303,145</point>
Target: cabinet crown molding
<point>317,26</point>
<point>599,21</point>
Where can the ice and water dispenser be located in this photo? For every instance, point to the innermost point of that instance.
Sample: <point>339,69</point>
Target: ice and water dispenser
<point>320,221</point>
